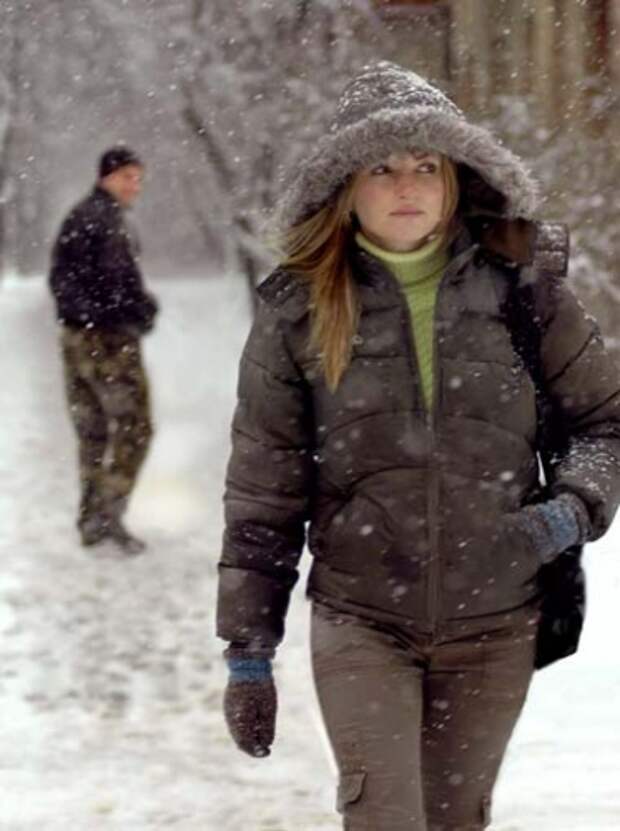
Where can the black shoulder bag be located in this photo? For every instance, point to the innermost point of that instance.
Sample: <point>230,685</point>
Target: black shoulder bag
<point>562,582</point>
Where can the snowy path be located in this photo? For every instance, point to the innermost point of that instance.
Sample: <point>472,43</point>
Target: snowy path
<point>110,676</point>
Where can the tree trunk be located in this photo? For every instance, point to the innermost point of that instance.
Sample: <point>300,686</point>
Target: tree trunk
<point>515,77</point>
<point>614,66</point>
<point>7,140</point>
<point>614,41</point>
<point>250,270</point>
<point>241,229</point>
<point>472,54</point>
<point>574,59</point>
<point>597,70</point>
<point>543,62</point>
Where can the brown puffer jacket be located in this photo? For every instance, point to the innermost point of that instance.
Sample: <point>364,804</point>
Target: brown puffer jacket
<point>407,510</point>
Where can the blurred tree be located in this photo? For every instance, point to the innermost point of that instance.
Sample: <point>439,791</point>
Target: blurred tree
<point>11,93</point>
<point>213,92</point>
<point>420,32</point>
<point>6,118</point>
<point>77,77</point>
<point>258,81</point>
<point>56,64</point>
<point>472,69</point>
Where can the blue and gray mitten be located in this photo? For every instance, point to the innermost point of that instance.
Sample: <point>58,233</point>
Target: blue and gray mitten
<point>555,525</point>
<point>250,700</point>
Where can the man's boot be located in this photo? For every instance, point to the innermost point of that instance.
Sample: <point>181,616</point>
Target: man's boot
<point>118,533</point>
<point>92,520</point>
<point>93,529</point>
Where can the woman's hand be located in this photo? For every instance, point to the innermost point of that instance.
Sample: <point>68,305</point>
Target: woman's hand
<point>555,525</point>
<point>250,704</point>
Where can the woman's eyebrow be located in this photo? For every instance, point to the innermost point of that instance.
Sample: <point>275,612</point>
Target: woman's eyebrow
<point>421,154</point>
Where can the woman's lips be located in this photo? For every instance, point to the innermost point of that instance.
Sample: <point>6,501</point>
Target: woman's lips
<point>406,212</point>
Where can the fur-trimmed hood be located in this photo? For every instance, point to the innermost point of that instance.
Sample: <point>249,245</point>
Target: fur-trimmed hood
<point>386,109</point>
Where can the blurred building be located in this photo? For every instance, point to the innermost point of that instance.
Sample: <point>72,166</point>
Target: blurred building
<point>564,53</point>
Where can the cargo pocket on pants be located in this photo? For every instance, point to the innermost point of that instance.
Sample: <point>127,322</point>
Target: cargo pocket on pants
<point>485,811</point>
<point>350,790</point>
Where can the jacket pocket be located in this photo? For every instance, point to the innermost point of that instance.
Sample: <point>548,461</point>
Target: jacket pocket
<point>359,535</point>
<point>523,557</point>
<point>350,789</point>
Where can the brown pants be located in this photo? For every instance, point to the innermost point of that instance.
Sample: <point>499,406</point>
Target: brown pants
<point>419,724</point>
<point>108,398</point>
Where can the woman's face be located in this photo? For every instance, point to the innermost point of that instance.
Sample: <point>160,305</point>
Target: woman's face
<point>400,202</point>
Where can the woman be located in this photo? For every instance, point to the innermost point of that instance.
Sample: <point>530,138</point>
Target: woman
<point>382,400</point>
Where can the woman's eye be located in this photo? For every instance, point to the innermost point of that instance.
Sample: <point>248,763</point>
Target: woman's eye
<point>379,170</point>
<point>430,167</point>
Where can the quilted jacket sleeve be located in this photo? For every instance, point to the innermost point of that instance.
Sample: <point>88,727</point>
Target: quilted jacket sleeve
<point>584,384</point>
<point>268,486</point>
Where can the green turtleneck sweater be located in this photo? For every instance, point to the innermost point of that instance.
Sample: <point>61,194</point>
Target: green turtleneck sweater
<point>419,273</point>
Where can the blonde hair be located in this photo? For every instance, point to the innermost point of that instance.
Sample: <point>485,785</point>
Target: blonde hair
<point>318,249</point>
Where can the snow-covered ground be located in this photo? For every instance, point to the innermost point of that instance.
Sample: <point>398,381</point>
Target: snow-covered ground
<point>110,674</point>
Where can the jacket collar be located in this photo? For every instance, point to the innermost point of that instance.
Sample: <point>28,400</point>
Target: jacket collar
<point>381,285</point>
<point>106,196</point>
<point>512,241</point>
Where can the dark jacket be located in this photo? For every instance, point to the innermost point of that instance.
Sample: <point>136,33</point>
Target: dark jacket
<point>95,277</point>
<point>408,511</point>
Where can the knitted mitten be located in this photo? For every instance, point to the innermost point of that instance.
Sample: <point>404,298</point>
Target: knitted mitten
<point>250,703</point>
<point>555,525</point>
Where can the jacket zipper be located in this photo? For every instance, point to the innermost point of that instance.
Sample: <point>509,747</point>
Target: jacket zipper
<point>429,409</point>
<point>434,581</point>
<point>434,574</point>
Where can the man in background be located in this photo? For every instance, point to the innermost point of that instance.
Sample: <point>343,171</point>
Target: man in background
<point>103,311</point>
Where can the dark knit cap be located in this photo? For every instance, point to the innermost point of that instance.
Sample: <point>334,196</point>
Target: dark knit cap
<point>117,157</point>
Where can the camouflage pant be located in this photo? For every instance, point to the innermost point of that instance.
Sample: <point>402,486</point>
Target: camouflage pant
<point>108,397</point>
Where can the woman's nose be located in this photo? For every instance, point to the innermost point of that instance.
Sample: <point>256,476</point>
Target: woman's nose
<point>406,184</point>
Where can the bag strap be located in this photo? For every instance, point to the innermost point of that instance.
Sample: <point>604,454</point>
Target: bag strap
<point>524,319</point>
